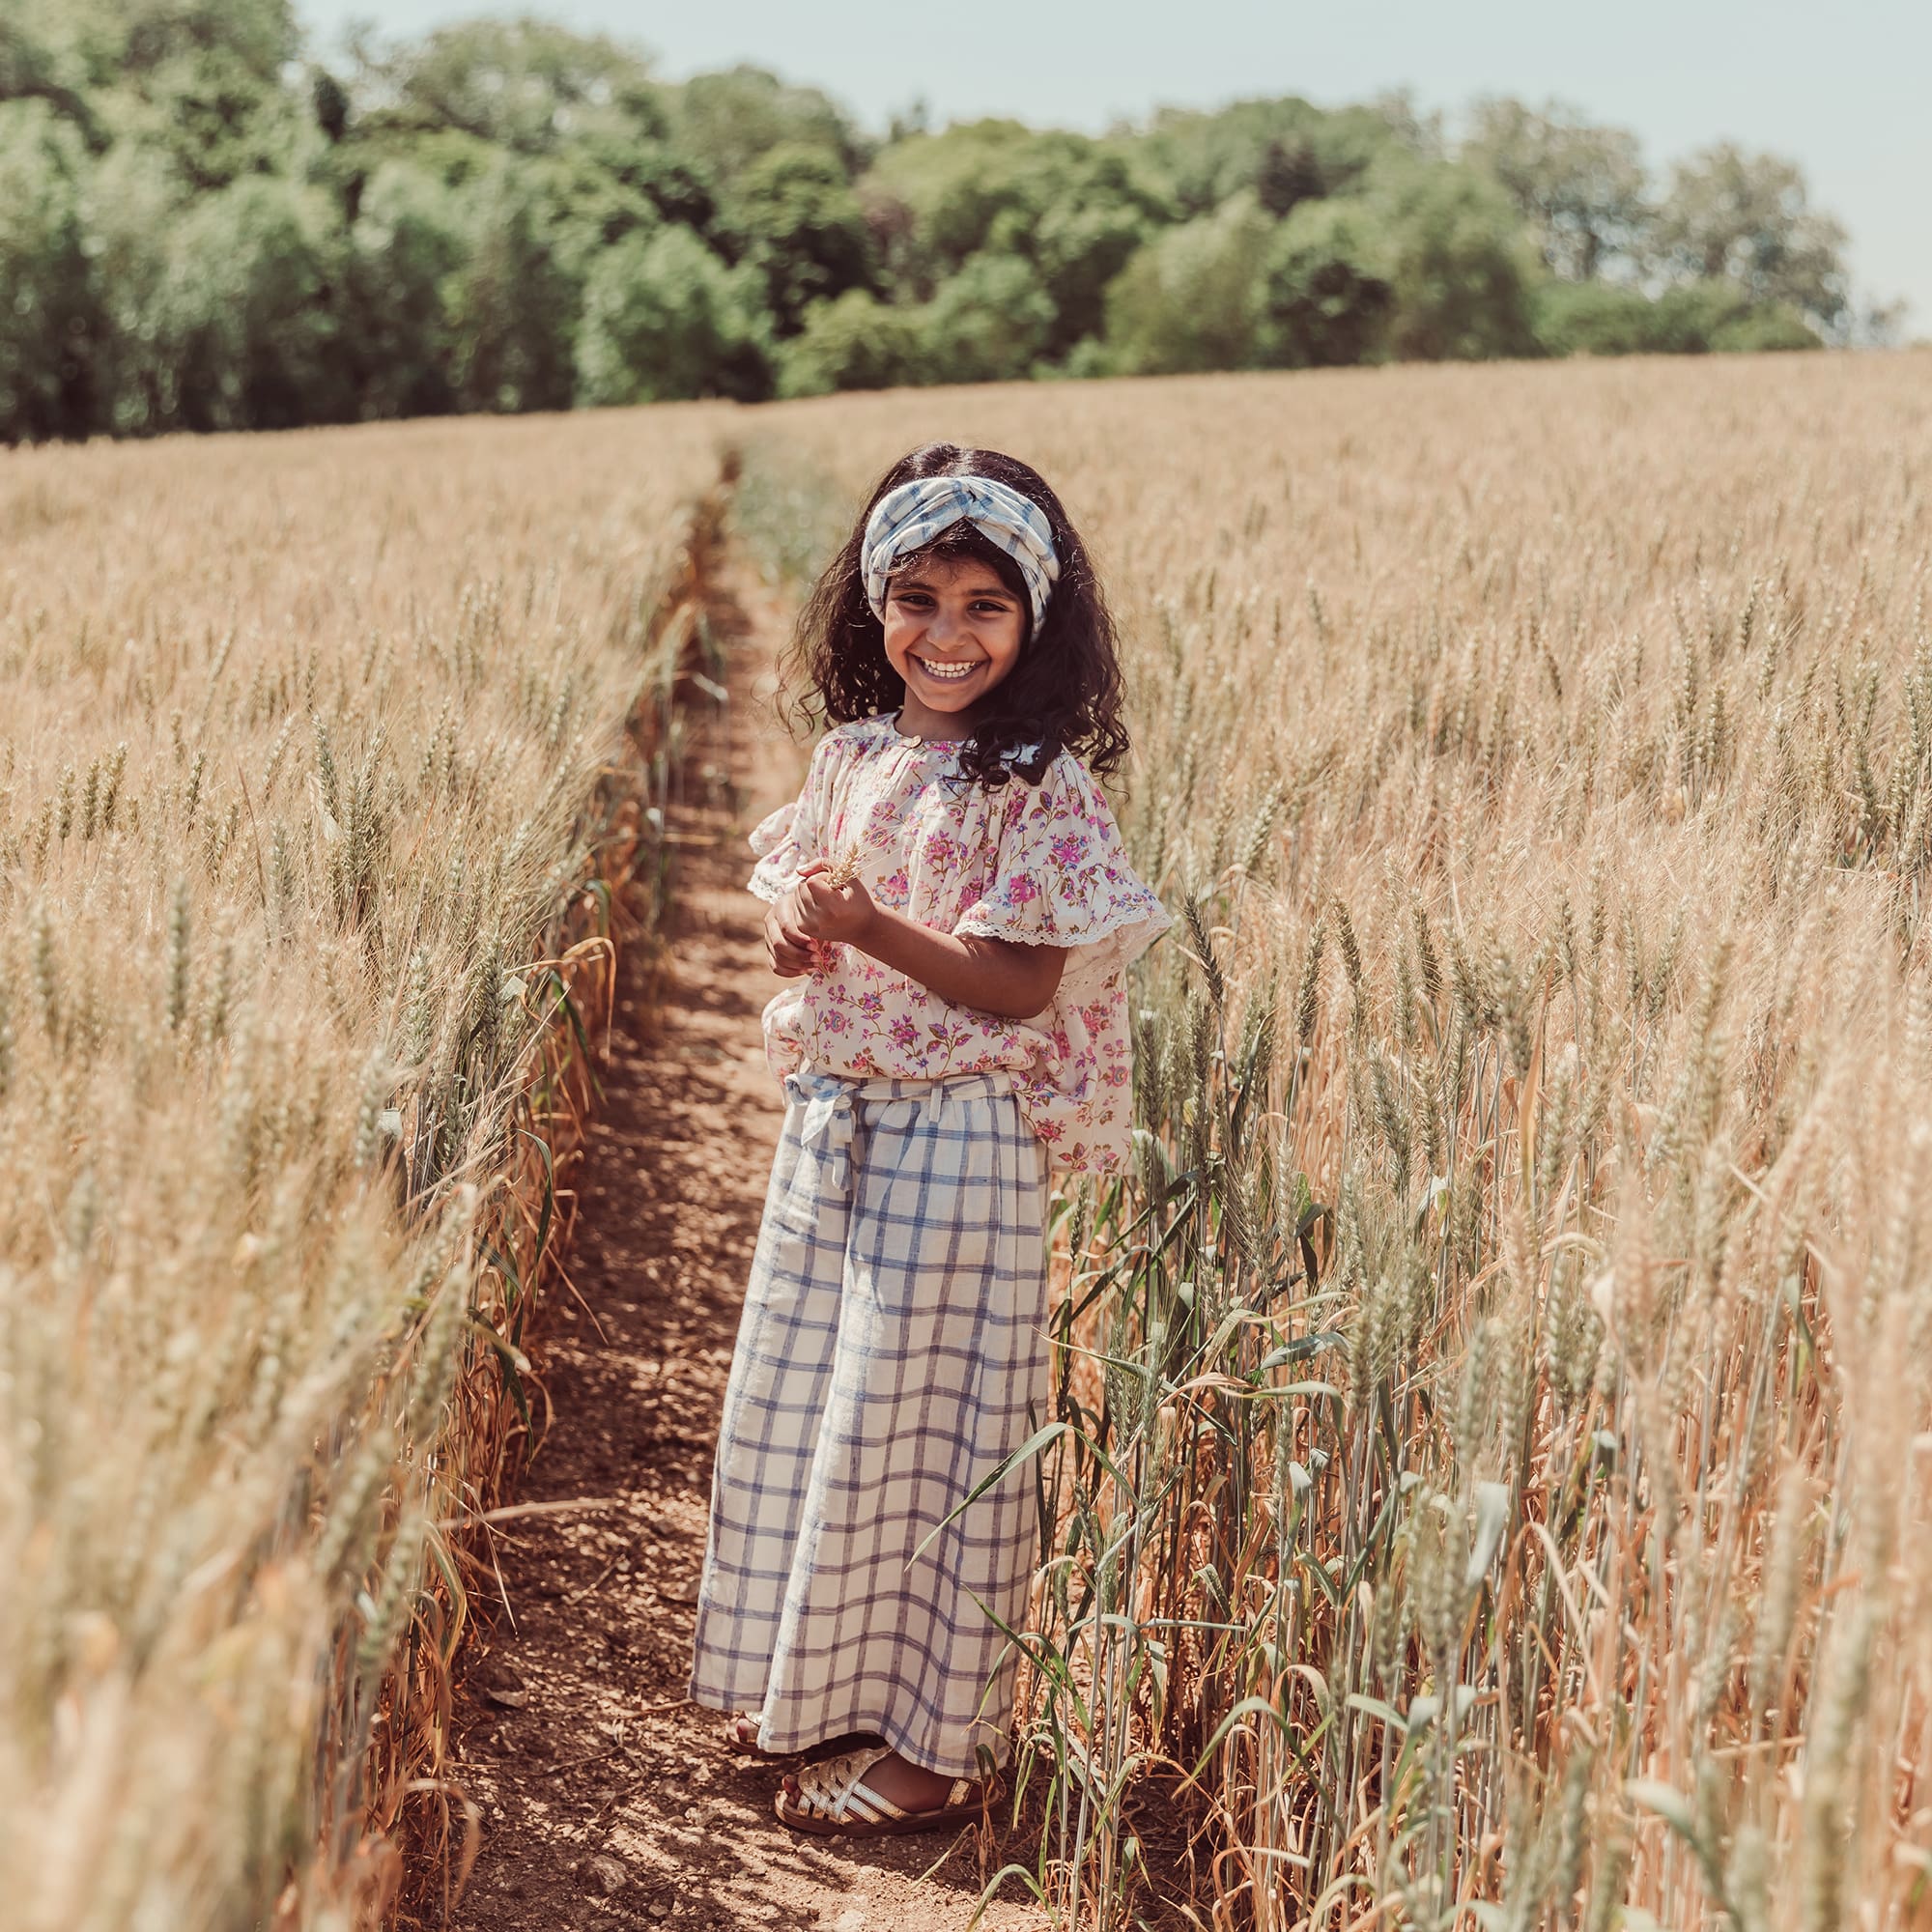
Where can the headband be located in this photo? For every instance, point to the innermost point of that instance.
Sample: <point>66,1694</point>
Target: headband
<point>907,519</point>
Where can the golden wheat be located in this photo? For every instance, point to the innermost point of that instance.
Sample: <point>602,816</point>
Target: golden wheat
<point>302,737</point>
<point>1510,1360</point>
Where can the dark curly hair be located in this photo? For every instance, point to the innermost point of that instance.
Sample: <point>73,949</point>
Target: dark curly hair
<point>1063,692</point>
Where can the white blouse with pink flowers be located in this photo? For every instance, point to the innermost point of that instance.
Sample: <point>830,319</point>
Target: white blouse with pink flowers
<point>1040,864</point>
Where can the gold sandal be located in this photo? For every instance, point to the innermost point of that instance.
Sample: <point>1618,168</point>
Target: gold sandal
<point>832,1801</point>
<point>741,1734</point>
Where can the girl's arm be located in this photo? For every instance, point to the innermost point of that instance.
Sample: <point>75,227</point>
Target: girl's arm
<point>992,976</point>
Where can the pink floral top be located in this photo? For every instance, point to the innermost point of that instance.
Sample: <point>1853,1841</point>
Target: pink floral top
<point>1043,865</point>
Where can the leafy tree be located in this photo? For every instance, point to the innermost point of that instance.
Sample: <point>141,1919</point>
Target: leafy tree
<point>675,185</point>
<point>1191,300</point>
<point>247,312</point>
<point>1748,218</point>
<point>1288,175</point>
<point>666,318</point>
<point>988,324</point>
<point>1324,301</point>
<point>950,188</point>
<point>35,66</point>
<point>197,231</point>
<point>725,122</point>
<point>1089,231</point>
<point>131,42</point>
<point>1207,158</point>
<point>802,228</point>
<point>522,84</point>
<point>1607,319</point>
<point>50,320</point>
<point>512,308</point>
<point>1454,260</point>
<point>132,208</point>
<point>583,208</point>
<point>1581,188</point>
<point>853,342</point>
<point>1594,319</point>
<point>405,249</point>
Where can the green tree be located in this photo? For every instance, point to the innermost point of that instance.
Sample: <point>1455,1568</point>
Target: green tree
<point>51,323</point>
<point>1581,188</point>
<point>1324,299</point>
<point>1748,218</point>
<point>1191,300</point>
<point>949,188</point>
<point>1287,176</point>
<point>512,309</point>
<point>1206,158</point>
<point>726,121</point>
<point>1453,256</point>
<point>802,228</point>
<point>1693,319</point>
<point>525,84</point>
<point>1084,237</point>
<point>116,42</point>
<point>132,208</point>
<point>246,317</point>
<point>987,324</point>
<point>666,318</point>
<point>853,342</point>
<point>582,207</point>
<point>406,247</point>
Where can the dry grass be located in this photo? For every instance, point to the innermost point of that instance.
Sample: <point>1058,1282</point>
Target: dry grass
<point>303,766</point>
<point>1498,1414</point>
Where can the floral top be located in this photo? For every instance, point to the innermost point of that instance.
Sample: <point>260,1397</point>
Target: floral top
<point>1041,863</point>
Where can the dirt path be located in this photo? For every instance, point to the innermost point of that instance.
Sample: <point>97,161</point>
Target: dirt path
<point>607,1800</point>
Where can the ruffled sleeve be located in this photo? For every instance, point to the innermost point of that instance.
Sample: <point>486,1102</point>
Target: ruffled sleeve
<point>785,839</point>
<point>1062,878</point>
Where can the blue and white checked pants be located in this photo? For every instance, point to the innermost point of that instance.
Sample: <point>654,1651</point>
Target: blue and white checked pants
<point>892,1350</point>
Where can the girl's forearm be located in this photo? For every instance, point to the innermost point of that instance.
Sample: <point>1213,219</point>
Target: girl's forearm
<point>992,976</point>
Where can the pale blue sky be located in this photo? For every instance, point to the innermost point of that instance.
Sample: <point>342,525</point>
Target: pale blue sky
<point>1842,89</point>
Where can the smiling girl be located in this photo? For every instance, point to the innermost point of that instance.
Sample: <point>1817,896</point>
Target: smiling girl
<point>951,896</point>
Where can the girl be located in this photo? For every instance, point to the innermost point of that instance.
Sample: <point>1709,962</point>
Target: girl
<point>951,893</point>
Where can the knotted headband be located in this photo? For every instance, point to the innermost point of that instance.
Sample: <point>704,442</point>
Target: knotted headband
<point>907,519</point>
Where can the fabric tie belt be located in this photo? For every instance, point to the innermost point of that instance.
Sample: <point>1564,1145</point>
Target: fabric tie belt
<point>828,1100</point>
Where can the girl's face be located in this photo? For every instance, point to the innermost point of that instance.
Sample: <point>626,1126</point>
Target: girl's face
<point>952,632</point>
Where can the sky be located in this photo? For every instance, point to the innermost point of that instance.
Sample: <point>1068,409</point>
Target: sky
<point>1839,90</point>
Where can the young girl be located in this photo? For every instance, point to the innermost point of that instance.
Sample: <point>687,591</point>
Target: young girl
<point>951,893</point>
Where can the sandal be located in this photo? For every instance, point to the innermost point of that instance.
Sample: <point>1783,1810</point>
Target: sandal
<point>830,1801</point>
<point>741,1734</point>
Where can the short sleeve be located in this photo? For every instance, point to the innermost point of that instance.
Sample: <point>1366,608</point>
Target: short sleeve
<point>1062,878</point>
<point>785,839</point>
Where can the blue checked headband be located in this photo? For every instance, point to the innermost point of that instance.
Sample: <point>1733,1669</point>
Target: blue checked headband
<point>907,519</point>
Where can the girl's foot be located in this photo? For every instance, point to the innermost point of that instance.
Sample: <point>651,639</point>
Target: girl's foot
<point>741,1733</point>
<point>870,1794</point>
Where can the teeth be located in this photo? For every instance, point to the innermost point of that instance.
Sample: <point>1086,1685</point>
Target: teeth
<point>948,674</point>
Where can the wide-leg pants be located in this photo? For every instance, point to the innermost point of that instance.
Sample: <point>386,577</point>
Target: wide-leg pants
<point>891,1354</point>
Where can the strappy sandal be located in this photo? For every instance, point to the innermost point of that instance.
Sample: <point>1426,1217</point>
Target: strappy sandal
<point>741,1734</point>
<point>832,1801</point>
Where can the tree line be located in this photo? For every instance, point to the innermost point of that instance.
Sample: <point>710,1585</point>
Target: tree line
<point>203,227</point>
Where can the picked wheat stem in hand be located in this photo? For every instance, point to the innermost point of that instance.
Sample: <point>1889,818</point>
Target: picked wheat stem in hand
<point>843,872</point>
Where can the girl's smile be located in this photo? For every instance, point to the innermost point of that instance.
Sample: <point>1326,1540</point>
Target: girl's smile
<point>952,632</point>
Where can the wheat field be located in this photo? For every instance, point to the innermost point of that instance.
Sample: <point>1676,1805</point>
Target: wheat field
<point>306,764</point>
<point>1490,1469</point>
<point>1494,1425</point>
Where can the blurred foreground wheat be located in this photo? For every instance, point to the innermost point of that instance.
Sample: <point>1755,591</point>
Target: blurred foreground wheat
<point>301,746</point>
<point>1495,1424</point>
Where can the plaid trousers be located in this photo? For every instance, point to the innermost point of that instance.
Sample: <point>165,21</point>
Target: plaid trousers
<point>892,1350</point>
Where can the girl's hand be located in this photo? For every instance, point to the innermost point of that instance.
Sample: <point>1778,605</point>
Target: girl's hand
<point>791,952</point>
<point>820,910</point>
